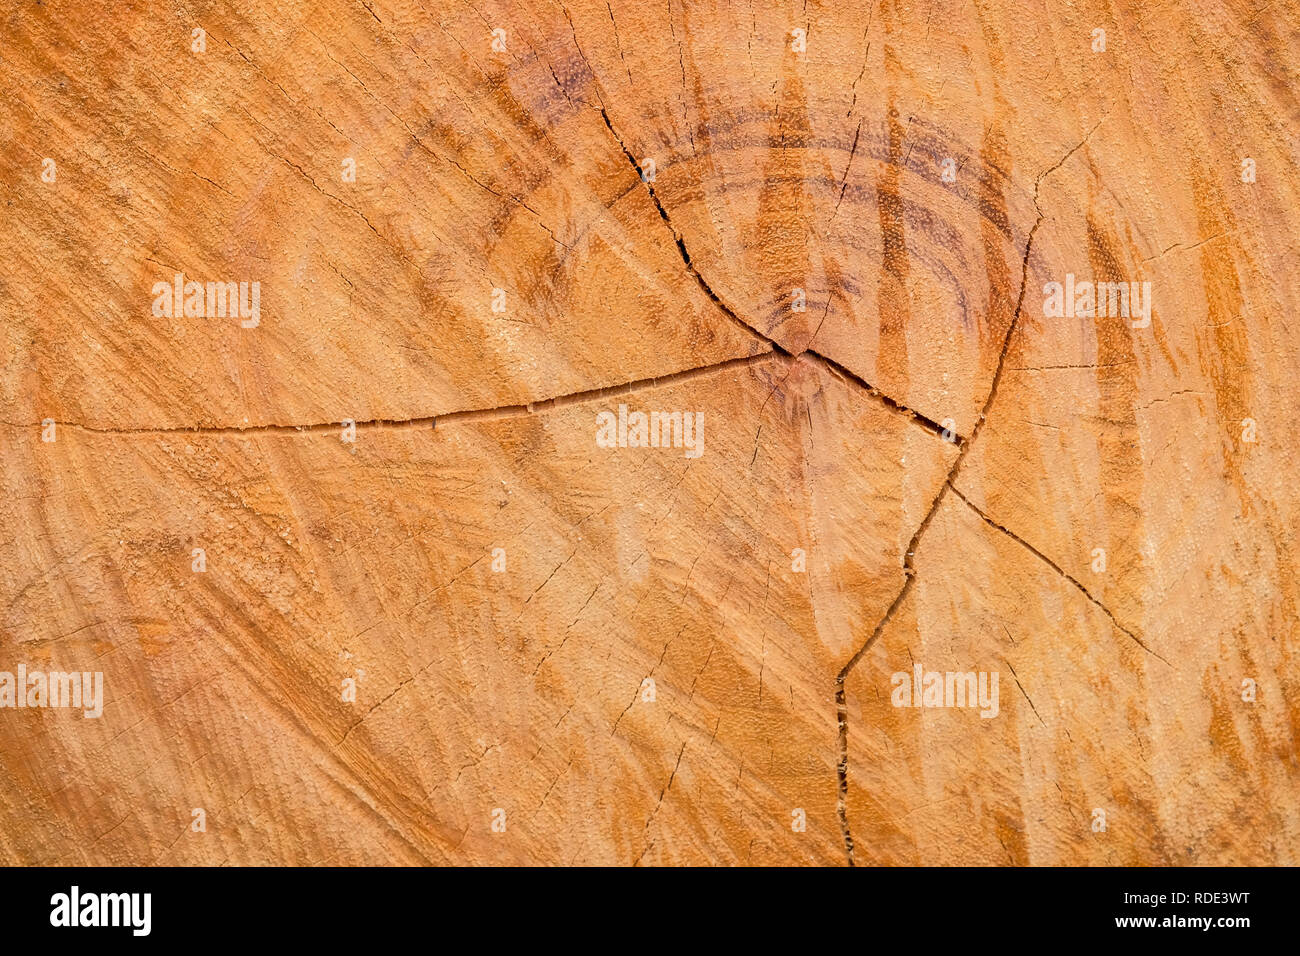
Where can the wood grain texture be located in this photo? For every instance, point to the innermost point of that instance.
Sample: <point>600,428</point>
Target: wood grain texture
<point>918,466</point>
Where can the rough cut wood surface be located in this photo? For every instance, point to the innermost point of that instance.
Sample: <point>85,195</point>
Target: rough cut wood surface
<point>476,634</point>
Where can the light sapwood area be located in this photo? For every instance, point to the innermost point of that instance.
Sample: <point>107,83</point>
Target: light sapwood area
<point>365,579</point>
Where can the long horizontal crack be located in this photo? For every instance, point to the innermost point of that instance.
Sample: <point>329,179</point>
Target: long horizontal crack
<point>528,408</point>
<point>1058,569</point>
<point>430,421</point>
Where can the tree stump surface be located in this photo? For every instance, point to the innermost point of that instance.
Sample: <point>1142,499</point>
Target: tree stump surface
<point>363,576</point>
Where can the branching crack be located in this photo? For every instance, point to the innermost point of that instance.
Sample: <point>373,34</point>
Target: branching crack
<point>909,570</point>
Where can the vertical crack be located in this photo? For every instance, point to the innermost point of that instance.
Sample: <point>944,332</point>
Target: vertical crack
<point>964,444</point>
